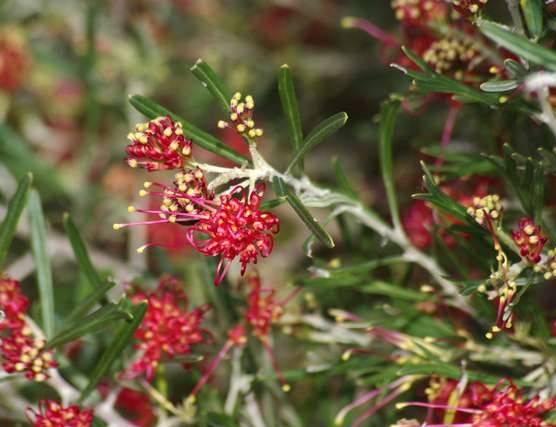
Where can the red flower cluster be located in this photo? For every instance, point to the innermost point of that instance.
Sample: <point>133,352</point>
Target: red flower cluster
<point>13,60</point>
<point>230,226</point>
<point>20,351</point>
<point>419,12</point>
<point>136,407</point>
<point>237,228</point>
<point>529,239</point>
<point>53,414</point>
<point>157,145</point>
<point>168,330</point>
<point>503,406</point>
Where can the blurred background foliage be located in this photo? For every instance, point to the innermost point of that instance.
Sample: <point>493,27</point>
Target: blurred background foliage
<point>67,117</point>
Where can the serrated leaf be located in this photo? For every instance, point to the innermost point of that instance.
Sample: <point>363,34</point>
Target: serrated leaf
<point>518,44</point>
<point>122,338</point>
<point>286,89</point>
<point>310,221</point>
<point>203,139</point>
<point>13,213</point>
<point>323,130</point>
<point>213,83</point>
<point>42,262</point>
<point>95,322</point>
<point>388,114</point>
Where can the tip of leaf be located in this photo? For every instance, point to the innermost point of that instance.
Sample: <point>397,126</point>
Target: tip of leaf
<point>345,117</point>
<point>65,216</point>
<point>398,67</point>
<point>29,176</point>
<point>197,63</point>
<point>284,66</point>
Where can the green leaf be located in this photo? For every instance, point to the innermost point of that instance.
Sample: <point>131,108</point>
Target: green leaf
<point>310,221</point>
<point>388,113</point>
<point>341,178</point>
<point>500,85</point>
<point>269,204</point>
<point>13,213</point>
<point>213,83</point>
<point>203,139</point>
<point>288,98</point>
<point>317,135</point>
<point>81,254</point>
<point>518,44</point>
<point>42,262</point>
<point>90,300</point>
<point>515,68</point>
<point>533,15</point>
<point>379,287</point>
<point>95,322</point>
<point>114,349</point>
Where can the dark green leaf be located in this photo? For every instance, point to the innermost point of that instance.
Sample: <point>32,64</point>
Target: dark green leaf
<point>13,213</point>
<point>114,349</point>
<point>309,220</point>
<point>288,98</point>
<point>101,319</point>
<point>42,262</point>
<point>390,290</point>
<point>533,15</point>
<point>341,178</point>
<point>317,135</point>
<point>90,300</point>
<point>213,83</point>
<point>500,85</point>
<point>203,139</point>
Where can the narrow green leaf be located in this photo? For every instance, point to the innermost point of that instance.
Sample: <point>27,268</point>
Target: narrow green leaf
<point>90,300</point>
<point>417,60</point>
<point>13,213</point>
<point>288,98</point>
<point>390,290</point>
<point>310,221</point>
<point>518,44</point>
<point>213,83</point>
<point>42,262</point>
<point>101,319</point>
<point>269,204</point>
<point>341,177</point>
<point>203,139</point>
<point>388,113</point>
<point>500,85</point>
<point>318,134</point>
<point>122,337</point>
<point>515,69</point>
<point>533,15</point>
<point>81,254</point>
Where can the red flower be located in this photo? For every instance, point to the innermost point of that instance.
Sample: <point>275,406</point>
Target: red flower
<point>168,330</point>
<point>13,304</point>
<point>136,406</point>
<point>417,221</point>
<point>53,414</point>
<point>529,239</point>
<point>237,228</point>
<point>22,353</point>
<point>158,145</point>
<point>503,406</point>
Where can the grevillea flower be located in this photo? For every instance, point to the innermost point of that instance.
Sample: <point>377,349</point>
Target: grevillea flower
<point>503,406</point>
<point>529,239</point>
<point>237,228</point>
<point>20,351</point>
<point>158,145</point>
<point>168,329</point>
<point>419,12</point>
<point>241,117</point>
<point>53,414</point>
<point>230,226</point>
<point>13,304</point>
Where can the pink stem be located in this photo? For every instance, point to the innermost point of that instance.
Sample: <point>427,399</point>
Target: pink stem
<point>374,31</point>
<point>212,367</point>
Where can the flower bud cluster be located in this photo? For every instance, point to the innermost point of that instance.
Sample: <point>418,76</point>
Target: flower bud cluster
<point>241,116</point>
<point>486,208</point>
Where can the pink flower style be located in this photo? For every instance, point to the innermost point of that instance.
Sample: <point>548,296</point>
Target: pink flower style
<point>169,330</point>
